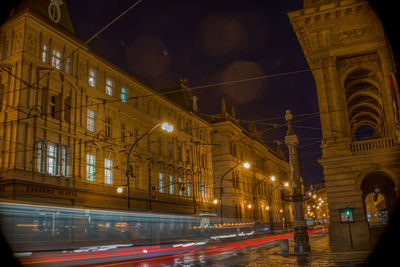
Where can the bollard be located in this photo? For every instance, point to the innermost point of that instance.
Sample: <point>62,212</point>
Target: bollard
<point>285,245</point>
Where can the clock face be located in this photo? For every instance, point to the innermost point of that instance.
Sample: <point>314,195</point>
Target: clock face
<point>54,10</point>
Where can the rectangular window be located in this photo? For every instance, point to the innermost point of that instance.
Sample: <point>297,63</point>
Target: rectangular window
<point>108,172</point>
<point>180,180</point>
<point>109,87</point>
<point>91,120</point>
<point>188,155</point>
<point>170,150</point>
<point>65,159</point>
<point>180,152</point>
<point>68,65</point>
<point>92,78</point>
<point>90,167</point>
<point>67,109</point>
<point>189,188</point>
<point>52,159</point>
<point>123,137</point>
<point>56,59</point>
<point>41,157</point>
<point>161,182</point>
<point>107,127</point>
<point>171,184</point>
<point>46,53</point>
<point>123,95</point>
<point>53,106</point>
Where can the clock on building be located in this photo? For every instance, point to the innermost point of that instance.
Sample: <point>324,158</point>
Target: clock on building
<point>54,10</point>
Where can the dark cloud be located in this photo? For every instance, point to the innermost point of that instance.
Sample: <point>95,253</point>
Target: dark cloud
<point>146,57</point>
<point>243,92</point>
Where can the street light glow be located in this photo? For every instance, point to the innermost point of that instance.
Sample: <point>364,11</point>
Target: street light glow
<point>287,184</point>
<point>246,165</point>
<point>272,178</point>
<point>167,127</point>
<point>249,206</point>
<point>120,189</point>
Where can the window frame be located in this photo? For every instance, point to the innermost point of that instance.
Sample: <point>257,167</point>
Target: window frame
<point>90,167</point>
<point>108,171</point>
<point>92,79</point>
<point>124,92</point>
<point>56,59</point>
<point>109,87</point>
<point>161,182</point>
<point>91,120</point>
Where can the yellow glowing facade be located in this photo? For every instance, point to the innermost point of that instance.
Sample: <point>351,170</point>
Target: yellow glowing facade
<point>68,118</point>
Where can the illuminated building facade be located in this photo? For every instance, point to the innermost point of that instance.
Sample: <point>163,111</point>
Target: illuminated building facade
<point>316,205</point>
<point>68,119</point>
<point>248,193</point>
<point>354,70</point>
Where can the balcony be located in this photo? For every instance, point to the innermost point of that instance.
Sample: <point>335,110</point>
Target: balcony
<point>374,145</point>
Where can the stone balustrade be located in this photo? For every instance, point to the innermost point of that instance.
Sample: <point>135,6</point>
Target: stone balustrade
<point>380,144</point>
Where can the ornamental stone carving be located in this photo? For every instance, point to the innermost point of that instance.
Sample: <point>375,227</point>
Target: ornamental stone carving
<point>340,37</point>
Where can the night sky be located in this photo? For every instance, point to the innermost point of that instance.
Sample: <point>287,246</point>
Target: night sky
<point>208,42</point>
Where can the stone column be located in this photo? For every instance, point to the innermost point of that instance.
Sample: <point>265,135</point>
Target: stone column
<point>300,228</point>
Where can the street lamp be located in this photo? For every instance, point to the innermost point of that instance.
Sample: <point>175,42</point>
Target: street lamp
<point>245,165</point>
<point>165,126</point>
<point>279,185</point>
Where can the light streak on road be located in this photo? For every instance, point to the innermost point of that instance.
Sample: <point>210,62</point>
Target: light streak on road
<point>133,255</point>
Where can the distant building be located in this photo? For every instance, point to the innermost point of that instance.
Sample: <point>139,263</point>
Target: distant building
<point>68,119</point>
<point>247,194</point>
<point>316,211</point>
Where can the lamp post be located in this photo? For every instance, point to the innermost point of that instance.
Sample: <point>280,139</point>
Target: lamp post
<point>301,239</point>
<point>279,185</point>
<point>221,190</point>
<point>165,126</point>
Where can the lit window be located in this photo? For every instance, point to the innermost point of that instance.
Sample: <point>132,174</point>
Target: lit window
<point>92,78</point>
<point>161,182</point>
<point>107,128</point>
<point>189,188</point>
<point>45,53</point>
<point>68,65</point>
<point>108,173</point>
<point>56,59</point>
<point>171,184</point>
<point>90,167</point>
<point>180,180</point>
<point>65,159</point>
<point>123,95</point>
<point>109,87</point>
<point>91,120</point>
<point>52,159</point>
<point>40,157</point>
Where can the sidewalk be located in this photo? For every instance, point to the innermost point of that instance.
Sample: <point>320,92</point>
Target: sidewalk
<point>321,255</point>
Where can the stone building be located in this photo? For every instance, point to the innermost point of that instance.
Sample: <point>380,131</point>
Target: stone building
<point>352,64</point>
<point>68,119</point>
<point>316,210</point>
<point>247,193</point>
